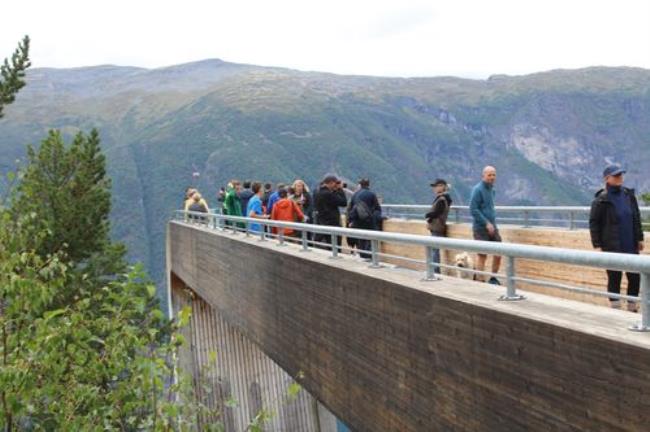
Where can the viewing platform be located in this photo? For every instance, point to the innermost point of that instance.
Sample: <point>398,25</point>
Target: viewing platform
<point>392,348</point>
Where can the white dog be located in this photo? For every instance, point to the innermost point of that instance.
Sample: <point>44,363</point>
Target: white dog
<point>463,260</point>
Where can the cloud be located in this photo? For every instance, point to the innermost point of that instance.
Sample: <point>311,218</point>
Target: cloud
<point>474,38</point>
<point>400,21</point>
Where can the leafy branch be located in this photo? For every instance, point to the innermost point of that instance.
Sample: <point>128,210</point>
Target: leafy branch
<point>12,74</point>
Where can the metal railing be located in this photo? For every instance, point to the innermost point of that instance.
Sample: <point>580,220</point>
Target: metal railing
<point>511,251</point>
<point>572,217</point>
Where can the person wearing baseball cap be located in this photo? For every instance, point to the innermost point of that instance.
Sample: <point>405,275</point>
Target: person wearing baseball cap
<point>437,216</point>
<point>615,226</point>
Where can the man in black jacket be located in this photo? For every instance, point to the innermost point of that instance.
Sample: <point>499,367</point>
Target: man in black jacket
<point>437,217</point>
<point>615,226</point>
<point>245,195</point>
<point>364,212</point>
<point>327,201</point>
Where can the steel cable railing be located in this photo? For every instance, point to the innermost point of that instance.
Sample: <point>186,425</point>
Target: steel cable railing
<point>511,251</point>
<point>572,217</point>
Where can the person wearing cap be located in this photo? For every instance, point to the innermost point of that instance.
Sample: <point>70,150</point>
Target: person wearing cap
<point>484,225</point>
<point>364,212</point>
<point>437,217</point>
<point>615,226</point>
<point>328,199</point>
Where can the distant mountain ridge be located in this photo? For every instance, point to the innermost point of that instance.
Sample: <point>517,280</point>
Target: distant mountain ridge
<point>549,134</point>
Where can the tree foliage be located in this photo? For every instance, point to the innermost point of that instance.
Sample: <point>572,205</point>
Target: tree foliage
<point>84,345</point>
<point>68,191</point>
<point>12,74</point>
<point>66,194</point>
<point>79,349</point>
<point>646,198</point>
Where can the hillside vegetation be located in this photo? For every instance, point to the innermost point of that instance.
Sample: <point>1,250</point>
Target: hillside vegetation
<point>548,134</point>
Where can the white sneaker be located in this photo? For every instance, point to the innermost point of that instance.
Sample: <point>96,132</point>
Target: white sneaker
<point>615,304</point>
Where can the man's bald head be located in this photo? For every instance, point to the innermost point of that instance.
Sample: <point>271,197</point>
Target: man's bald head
<point>489,174</point>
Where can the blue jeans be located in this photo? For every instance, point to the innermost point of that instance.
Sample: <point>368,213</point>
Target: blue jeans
<point>436,254</point>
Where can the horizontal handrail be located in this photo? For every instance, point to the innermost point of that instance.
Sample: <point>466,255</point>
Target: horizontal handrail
<point>603,260</point>
<point>525,215</point>
<point>509,209</point>
<point>608,260</point>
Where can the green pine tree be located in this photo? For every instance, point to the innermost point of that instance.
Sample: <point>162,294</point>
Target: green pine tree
<point>84,345</point>
<point>12,74</point>
<point>68,194</point>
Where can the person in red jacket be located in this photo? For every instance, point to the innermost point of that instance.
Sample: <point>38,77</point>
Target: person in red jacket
<point>285,209</point>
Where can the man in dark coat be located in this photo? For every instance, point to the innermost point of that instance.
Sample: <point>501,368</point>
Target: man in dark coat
<point>364,212</point>
<point>615,226</point>
<point>327,201</point>
<point>437,217</point>
<point>245,195</point>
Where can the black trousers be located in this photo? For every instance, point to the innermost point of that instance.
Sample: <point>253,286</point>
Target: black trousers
<point>363,245</point>
<point>326,238</point>
<point>614,282</point>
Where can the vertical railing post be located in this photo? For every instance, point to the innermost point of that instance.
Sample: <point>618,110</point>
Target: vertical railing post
<point>263,233</point>
<point>511,283</point>
<point>526,219</point>
<point>305,243</point>
<point>572,221</point>
<point>374,254</point>
<point>214,222</point>
<point>281,236</point>
<point>388,212</point>
<point>644,294</point>
<point>335,246</point>
<point>457,215</point>
<point>430,274</point>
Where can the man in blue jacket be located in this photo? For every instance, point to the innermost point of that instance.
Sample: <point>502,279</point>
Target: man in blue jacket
<point>484,225</point>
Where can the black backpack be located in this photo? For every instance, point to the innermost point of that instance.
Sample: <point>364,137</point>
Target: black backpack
<point>197,207</point>
<point>363,212</point>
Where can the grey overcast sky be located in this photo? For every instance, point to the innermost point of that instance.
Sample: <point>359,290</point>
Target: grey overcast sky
<point>470,38</point>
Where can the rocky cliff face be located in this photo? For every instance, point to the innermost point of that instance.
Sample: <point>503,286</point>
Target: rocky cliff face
<point>549,135</point>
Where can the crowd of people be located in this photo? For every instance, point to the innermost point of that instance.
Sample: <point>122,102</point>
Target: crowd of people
<point>294,202</point>
<point>615,222</point>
